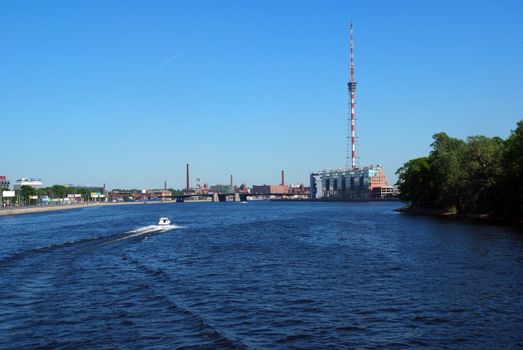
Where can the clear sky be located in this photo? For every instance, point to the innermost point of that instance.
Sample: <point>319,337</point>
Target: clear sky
<point>126,92</point>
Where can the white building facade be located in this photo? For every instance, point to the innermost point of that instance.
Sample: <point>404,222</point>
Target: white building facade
<point>34,183</point>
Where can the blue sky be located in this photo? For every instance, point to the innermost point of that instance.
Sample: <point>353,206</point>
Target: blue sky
<point>126,92</point>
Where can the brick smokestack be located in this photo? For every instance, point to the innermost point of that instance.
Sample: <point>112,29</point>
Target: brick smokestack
<point>187,189</point>
<point>283,178</point>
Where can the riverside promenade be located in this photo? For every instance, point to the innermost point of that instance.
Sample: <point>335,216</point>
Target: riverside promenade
<point>44,208</point>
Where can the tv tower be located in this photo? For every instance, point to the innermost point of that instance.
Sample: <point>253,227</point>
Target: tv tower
<point>351,147</point>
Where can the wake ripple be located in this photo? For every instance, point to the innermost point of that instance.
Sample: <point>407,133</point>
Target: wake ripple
<point>94,241</point>
<point>202,327</point>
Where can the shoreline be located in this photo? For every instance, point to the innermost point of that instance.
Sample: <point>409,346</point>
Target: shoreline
<point>355,200</point>
<point>478,218</point>
<point>45,209</point>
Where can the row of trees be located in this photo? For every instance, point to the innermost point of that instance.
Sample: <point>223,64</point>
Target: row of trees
<point>59,191</point>
<point>56,191</point>
<point>25,194</point>
<point>478,175</point>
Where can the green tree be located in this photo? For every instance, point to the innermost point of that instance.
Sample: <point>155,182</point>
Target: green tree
<point>415,182</point>
<point>511,188</point>
<point>176,192</point>
<point>26,192</point>
<point>85,192</point>
<point>479,175</point>
<point>447,172</point>
<point>482,166</point>
<point>59,191</point>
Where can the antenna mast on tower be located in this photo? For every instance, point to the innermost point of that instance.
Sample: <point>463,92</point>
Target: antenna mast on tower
<point>351,147</point>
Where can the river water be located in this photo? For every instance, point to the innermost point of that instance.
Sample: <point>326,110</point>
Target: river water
<point>258,275</point>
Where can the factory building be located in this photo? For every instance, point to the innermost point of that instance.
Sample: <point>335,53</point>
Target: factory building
<point>270,189</point>
<point>343,184</point>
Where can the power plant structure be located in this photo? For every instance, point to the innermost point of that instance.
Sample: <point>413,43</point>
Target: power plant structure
<point>351,182</point>
<point>187,186</point>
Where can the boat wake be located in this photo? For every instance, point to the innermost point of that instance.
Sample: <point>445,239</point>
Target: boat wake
<point>137,233</point>
<point>145,230</point>
<point>154,228</point>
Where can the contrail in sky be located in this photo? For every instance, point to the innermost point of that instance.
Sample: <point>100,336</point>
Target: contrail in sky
<point>143,76</point>
<point>164,63</point>
<point>156,69</point>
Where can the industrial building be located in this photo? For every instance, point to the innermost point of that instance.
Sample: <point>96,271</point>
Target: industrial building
<point>357,183</point>
<point>271,189</point>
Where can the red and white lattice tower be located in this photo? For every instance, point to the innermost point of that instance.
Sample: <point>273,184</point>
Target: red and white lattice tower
<point>351,138</point>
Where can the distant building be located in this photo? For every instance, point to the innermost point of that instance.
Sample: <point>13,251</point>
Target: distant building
<point>72,198</point>
<point>143,195</point>
<point>385,192</point>
<point>299,189</point>
<point>34,183</point>
<point>4,183</point>
<point>356,183</point>
<point>163,195</point>
<point>222,189</point>
<point>243,189</point>
<point>201,189</point>
<point>269,189</point>
<point>124,196</point>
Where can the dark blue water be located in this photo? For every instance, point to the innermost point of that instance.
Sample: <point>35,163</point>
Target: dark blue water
<point>257,275</point>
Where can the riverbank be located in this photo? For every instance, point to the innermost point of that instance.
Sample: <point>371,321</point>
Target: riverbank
<point>43,209</point>
<point>482,218</point>
<point>355,200</point>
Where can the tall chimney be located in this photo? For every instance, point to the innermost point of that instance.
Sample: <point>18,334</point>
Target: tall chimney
<point>231,180</point>
<point>187,189</point>
<point>283,178</point>
<point>165,185</point>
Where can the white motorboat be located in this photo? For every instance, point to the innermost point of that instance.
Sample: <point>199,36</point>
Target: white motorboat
<point>164,221</point>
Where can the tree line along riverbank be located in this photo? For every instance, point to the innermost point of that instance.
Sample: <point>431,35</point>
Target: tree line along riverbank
<point>478,177</point>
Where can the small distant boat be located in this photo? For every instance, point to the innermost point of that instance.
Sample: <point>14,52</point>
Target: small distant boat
<point>164,221</point>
